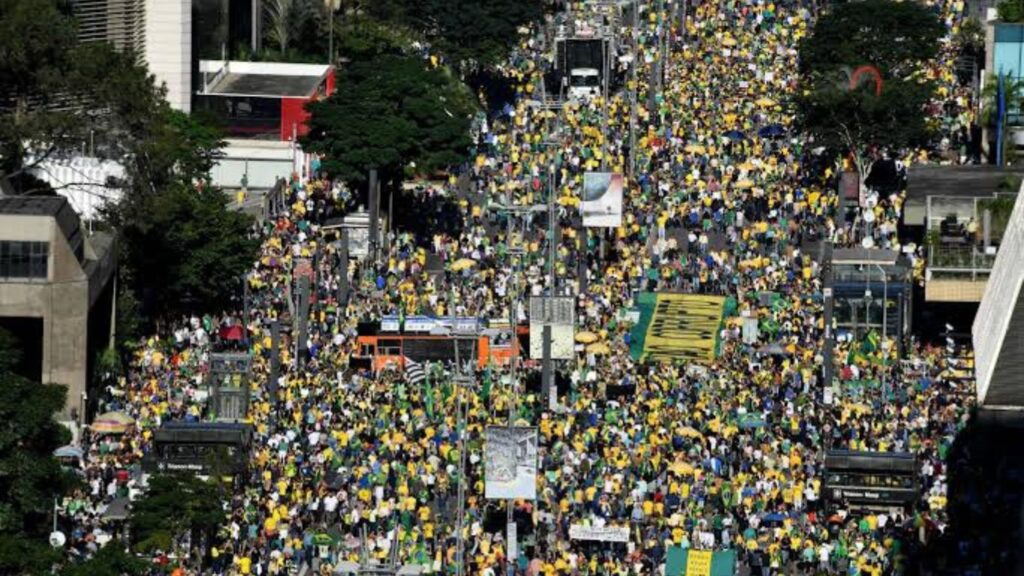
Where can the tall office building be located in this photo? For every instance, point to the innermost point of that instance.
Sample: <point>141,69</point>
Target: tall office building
<point>120,22</point>
<point>171,36</point>
<point>168,49</point>
<point>998,331</point>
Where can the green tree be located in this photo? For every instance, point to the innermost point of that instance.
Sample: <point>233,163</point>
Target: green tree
<point>30,477</point>
<point>394,113</point>
<point>184,249</point>
<point>111,560</point>
<point>1013,92</point>
<point>36,42</point>
<point>360,37</point>
<point>56,94</point>
<point>471,32</point>
<point>173,505</point>
<point>1010,10</point>
<point>971,36</point>
<point>896,38</point>
<point>296,30</point>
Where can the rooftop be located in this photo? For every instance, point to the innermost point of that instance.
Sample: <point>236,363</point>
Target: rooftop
<point>32,205</point>
<point>261,79</point>
<point>923,181</point>
<point>842,256</point>
<point>233,84</point>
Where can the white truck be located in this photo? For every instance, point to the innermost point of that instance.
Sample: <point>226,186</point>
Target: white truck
<point>584,83</point>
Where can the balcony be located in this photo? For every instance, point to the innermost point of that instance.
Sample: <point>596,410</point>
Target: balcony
<point>957,273</point>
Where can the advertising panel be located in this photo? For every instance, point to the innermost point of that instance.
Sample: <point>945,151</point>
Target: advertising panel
<point>510,463</point>
<point>559,313</point>
<point>602,200</point>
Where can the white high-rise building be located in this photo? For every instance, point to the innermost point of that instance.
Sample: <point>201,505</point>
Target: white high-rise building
<point>168,48</point>
<point>160,32</point>
<point>998,331</point>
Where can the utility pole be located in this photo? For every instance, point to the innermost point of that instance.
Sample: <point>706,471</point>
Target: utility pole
<point>275,358</point>
<point>343,286</point>
<point>548,371</point>
<point>374,201</point>
<point>605,73</point>
<point>652,91</point>
<point>634,90</point>
<point>245,308</point>
<point>666,29</point>
<point>682,21</point>
<point>300,344</point>
<point>826,278</point>
<point>463,383</point>
<point>515,254</point>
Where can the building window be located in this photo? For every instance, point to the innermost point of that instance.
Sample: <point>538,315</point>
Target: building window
<point>24,259</point>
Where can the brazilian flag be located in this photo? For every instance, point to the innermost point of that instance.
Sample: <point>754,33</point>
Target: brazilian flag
<point>872,342</point>
<point>428,392</point>
<point>485,392</point>
<point>855,356</point>
<point>867,351</point>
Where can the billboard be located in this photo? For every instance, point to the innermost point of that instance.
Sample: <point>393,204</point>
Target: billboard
<point>559,313</point>
<point>849,183</point>
<point>602,200</point>
<point>510,463</point>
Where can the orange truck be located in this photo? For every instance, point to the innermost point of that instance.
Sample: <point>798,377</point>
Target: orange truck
<point>426,339</point>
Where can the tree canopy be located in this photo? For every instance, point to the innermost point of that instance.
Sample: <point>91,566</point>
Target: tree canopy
<point>182,247</point>
<point>37,43</point>
<point>467,31</point>
<point>392,112</point>
<point>30,477</point>
<point>184,250</point>
<point>173,506</point>
<point>110,560</point>
<point>897,39</point>
<point>56,94</point>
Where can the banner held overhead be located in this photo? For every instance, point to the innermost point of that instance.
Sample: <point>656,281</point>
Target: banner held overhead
<point>599,533</point>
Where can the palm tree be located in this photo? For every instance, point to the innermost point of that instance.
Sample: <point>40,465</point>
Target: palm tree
<point>288,20</point>
<point>1014,90</point>
<point>279,14</point>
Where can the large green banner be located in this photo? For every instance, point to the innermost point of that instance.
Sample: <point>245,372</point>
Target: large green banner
<point>677,327</point>
<point>686,562</point>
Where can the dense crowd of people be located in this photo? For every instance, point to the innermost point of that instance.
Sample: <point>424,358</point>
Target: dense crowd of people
<point>721,198</point>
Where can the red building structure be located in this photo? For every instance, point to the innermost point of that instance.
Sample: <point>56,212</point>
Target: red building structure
<point>262,100</point>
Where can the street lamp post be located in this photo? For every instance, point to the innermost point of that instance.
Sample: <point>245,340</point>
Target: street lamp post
<point>634,92</point>
<point>515,254</point>
<point>547,372</point>
<point>885,329</point>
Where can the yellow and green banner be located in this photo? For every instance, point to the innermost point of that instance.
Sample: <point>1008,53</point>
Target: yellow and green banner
<point>686,562</point>
<point>677,327</point>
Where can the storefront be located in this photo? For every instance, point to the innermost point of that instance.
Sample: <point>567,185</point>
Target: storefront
<point>872,293</point>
